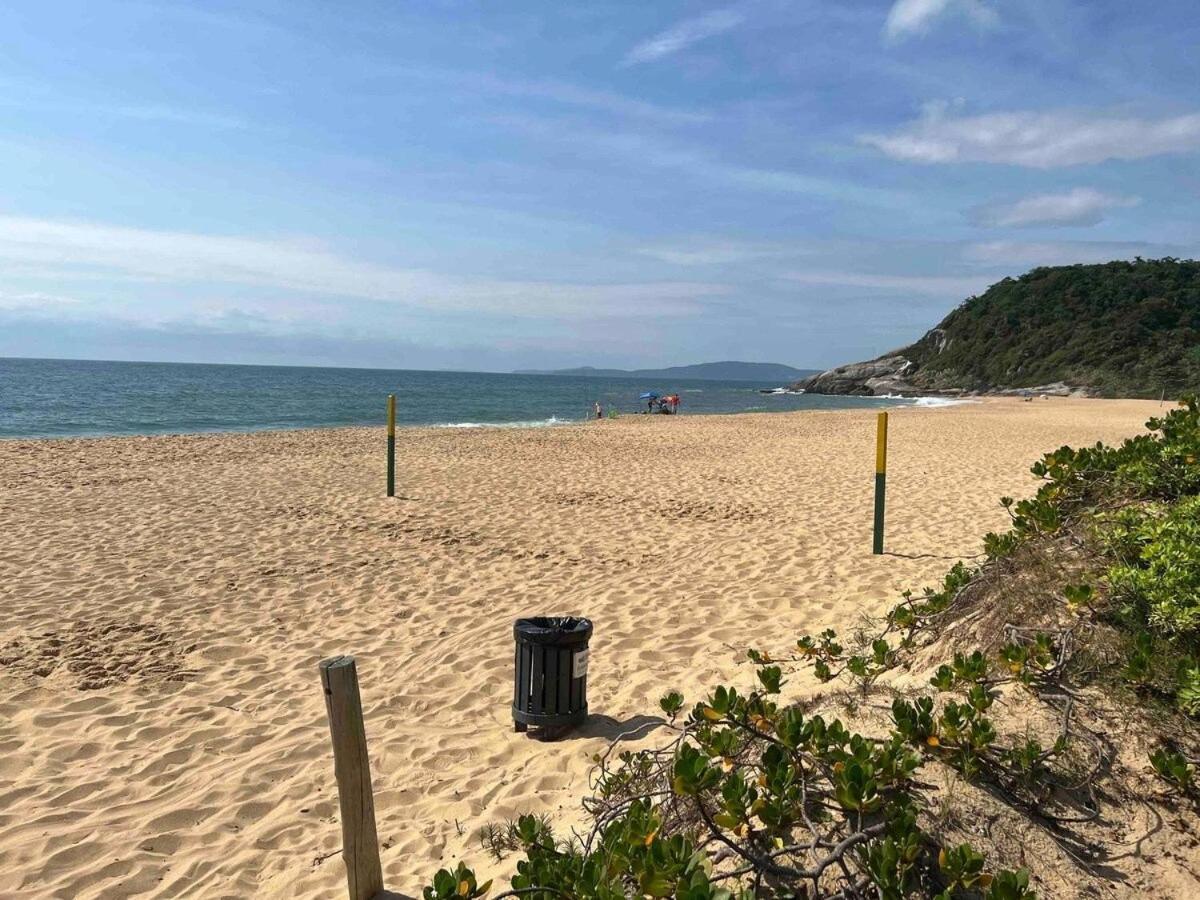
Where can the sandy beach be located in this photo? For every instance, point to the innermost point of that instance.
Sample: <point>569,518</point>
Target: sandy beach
<point>165,602</point>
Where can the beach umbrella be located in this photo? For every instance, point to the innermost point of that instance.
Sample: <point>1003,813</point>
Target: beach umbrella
<point>649,395</point>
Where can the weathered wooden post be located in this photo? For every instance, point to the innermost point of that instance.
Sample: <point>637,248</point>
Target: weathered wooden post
<point>880,478</point>
<point>360,842</point>
<point>391,462</point>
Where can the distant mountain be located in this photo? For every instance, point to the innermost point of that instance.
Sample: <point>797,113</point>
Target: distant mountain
<point>765,373</point>
<point>1118,329</point>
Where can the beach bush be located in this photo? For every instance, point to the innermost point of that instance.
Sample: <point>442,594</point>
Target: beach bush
<point>756,798</point>
<point>1159,580</point>
<point>1083,483</point>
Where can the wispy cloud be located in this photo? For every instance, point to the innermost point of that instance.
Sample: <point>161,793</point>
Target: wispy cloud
<point>784,181</point>
<point>553,90</point>
<point>175,115</point>
<point>933,285</point>
<point>696,164</point>
<point>1037,139</point>
<point>913,17</point>
<point>709,252</point>
<point>69,250</point>
<point>32,96</point>
<point>682,35</point>
<point>607,101</point>
<point>1076,207</point>
<point>1021,255</point>
<point>34,300</point>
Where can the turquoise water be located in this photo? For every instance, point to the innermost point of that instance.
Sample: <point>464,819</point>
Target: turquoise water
<point>58,398</point>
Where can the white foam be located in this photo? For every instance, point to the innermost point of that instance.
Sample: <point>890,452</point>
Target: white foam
<point>940,401</point>
<point>925,401</point>
<point>532,423</point>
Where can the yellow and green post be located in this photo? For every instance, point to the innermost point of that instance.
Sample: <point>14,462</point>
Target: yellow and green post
<point>880,478</point>
<point>391,462</point>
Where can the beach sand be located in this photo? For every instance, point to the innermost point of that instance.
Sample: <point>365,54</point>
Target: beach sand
<point>164,603</point>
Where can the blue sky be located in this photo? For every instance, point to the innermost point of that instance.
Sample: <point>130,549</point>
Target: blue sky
<point>499,185</point>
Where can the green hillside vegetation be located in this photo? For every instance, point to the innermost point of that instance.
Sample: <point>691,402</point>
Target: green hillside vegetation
<point>1050,689</point>
<point>1120,328</point>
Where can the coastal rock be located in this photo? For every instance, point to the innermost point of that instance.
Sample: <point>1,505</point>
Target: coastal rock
<point>875,378</point>
<point>1057,389</point>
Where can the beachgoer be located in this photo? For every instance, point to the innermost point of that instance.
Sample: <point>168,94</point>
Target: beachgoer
<point>599,410</point>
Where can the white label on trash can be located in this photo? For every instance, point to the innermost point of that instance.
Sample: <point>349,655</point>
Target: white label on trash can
<point>579,664</point>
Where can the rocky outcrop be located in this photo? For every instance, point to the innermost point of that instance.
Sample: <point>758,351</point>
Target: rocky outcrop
<point>876,378</point>
<point>896,376</point>
<point>1056,389</point>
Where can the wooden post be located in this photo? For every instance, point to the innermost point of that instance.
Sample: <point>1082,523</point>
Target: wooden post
<point>360,843</point>
<point>880,478</point>
<point>391,462</point>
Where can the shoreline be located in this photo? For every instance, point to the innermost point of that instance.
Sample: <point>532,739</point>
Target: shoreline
<point>888,403</point>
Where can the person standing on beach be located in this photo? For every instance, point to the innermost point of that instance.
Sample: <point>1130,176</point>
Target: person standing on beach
<point>599,410</point>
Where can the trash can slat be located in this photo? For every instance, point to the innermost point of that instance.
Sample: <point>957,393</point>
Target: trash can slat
<point>538,693</point>
<point>517,677</point>
<point>550,706</point>
<point>566,658</point>
<point>526,676</point>
<point>576,690</point>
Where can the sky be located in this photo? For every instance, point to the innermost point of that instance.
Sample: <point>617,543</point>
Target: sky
<point>489,186</point>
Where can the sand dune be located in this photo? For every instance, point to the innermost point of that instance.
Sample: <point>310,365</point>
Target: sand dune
<point>165,602</point>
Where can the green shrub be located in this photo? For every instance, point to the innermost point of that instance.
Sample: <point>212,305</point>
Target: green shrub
<point>1188,694</point>
<point>1160,579</point>
<point>1174,769</point>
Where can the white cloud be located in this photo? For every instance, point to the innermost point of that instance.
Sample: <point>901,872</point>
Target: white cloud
<point>35,96</point>
<point>696,165</point>
<point>1037,139</point>
<point>99,253</point>
<point>33,300</point>
<point>706,252</point>
<point>569,94</point>
<point>910,17</point>
<point>1024,254</point>
<point>683,34</point>
<point>1078,206</point>
<point>553,90</point>
<point>173,115</point>
<point>933,285</point>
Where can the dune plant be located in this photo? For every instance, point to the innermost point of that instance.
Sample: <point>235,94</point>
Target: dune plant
<point>751,798</point>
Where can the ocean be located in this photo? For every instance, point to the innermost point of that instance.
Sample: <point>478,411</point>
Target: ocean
<point>78,398</point>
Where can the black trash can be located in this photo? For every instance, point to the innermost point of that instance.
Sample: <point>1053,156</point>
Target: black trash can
<point>550,672</point>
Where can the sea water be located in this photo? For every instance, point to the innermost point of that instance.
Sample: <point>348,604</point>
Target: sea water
<point>63,398</point>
